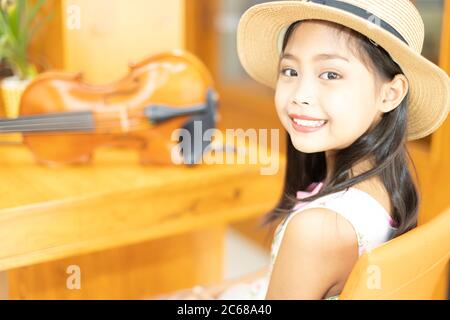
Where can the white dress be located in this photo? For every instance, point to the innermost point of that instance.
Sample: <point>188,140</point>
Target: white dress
<point>372,223</point>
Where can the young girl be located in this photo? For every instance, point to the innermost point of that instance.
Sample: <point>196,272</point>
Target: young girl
<point>351,88</point>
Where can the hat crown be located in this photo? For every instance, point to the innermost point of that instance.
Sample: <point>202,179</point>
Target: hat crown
<point>402,15</point>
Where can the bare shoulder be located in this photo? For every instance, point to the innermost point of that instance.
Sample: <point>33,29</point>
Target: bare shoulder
<point>318,250</point>
<point>323,230</point>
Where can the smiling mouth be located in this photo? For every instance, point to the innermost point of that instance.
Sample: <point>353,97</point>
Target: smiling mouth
<point>309,123</point>
<point>307,126</point>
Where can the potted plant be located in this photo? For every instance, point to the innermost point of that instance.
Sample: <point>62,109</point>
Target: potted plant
<point>17,27</point>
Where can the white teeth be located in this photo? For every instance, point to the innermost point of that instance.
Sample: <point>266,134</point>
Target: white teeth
<point>309,123</point>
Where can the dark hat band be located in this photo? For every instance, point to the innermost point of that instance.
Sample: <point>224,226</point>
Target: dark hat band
<point>364,14</point>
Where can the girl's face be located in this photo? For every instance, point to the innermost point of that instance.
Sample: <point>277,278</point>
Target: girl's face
<point>320,78</point>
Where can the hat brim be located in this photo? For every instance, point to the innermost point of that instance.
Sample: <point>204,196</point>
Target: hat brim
<point>258,50</point>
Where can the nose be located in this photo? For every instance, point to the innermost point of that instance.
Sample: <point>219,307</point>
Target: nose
<point>303,92</point>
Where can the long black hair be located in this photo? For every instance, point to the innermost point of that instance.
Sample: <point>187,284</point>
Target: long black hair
<point>386,142</point>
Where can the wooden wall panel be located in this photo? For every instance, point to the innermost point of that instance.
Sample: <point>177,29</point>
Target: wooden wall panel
<point>113,33</point>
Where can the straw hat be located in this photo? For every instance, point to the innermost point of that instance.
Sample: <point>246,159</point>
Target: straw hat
<point>395,25</point>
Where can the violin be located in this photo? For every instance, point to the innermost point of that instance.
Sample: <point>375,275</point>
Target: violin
<point>63,119</point>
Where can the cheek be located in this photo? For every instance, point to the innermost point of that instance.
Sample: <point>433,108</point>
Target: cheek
<point>281,102</point>
<point>351,115</point>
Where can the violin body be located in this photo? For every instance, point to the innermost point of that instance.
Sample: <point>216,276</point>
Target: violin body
<point>63,119</point>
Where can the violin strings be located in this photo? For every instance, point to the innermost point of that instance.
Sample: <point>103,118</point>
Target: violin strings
<point>68,126</point>
<point>63,114</point>
<point>72,124</point>
<point>52,117</point>
<point>66,121</point>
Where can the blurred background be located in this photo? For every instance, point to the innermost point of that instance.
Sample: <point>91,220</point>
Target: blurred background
<point>100,38</point>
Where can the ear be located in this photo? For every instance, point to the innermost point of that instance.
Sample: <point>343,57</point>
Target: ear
<point>393,93</point>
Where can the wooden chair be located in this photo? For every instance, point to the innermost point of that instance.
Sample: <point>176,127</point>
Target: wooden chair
<point>407,267</point>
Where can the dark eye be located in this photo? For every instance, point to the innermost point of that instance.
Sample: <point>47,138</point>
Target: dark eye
<point>289,72</point>
<point>334,75</point>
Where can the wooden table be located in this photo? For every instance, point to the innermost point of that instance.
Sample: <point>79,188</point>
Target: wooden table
<point>125,231</point>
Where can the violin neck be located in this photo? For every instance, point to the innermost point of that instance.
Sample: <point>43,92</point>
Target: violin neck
<point>82,121</point>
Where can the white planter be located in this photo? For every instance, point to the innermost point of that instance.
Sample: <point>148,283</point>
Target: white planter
<point>12,89</point>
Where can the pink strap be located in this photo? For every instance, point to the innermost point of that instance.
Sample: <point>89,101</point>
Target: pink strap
<point>312,189</point>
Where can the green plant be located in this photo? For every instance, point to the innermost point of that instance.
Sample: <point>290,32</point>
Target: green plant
<point>17,27</point>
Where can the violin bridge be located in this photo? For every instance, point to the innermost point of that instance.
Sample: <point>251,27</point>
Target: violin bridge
<point>124,120</point>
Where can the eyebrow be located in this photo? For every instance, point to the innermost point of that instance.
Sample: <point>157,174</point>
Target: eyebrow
<point>323,56</point>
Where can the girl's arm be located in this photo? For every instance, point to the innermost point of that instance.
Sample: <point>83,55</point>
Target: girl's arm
<point>317,253</point>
